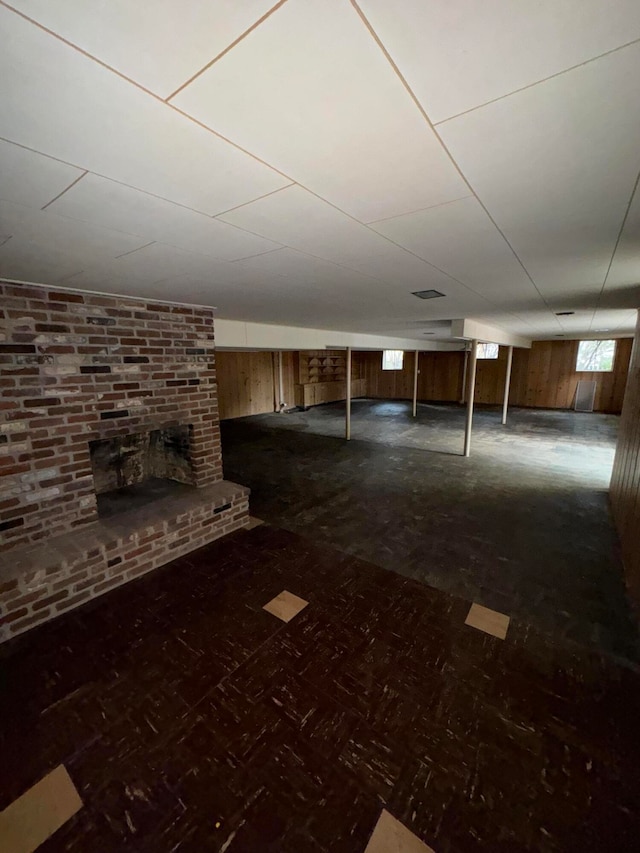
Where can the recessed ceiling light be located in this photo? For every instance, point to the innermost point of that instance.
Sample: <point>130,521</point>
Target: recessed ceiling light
<point>602,330</point>
<point>564,313</point>
<point>427,294</point>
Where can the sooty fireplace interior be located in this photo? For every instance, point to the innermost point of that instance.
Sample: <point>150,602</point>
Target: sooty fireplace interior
<point>132,470</point>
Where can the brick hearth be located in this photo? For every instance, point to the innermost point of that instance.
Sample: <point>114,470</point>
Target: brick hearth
<point>76,368</point>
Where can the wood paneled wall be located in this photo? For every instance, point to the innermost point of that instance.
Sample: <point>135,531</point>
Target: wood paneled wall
<point>247,382</point>
<point>542,377</point>
<point>545,376</point>
<point>440,376</point>
<point>625,480</point>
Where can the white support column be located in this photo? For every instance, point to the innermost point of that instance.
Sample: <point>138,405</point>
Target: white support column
<point>415,383</point>
<point>281,400</point>
<point>471,389</point>
<point>347,425</point>
<point>507,384</point>
<point>274,376</point>
<point>464,375</point>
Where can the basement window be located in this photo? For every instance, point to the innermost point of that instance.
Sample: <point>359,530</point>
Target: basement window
<point>392,359</point>
<point>488,350</point>
<point>596,356</point>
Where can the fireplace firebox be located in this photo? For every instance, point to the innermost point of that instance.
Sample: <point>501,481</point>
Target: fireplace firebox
<point>136,468</point>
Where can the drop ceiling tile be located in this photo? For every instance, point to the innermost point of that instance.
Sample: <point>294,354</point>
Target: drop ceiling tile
<point>31,179</point>
<point>625,269</point>
<point>305,269</point>
<point>294,288</point>
<point>113,205</point>
<point>289,307</point>
<point>158,261</point>
<point>84,114</point>
<point>611,321</point>
<point>66,235</point>
<point>456,56</point>
<point>555,165</point>
<point>624,322</point>
<point>25,260</point>
<point>306,92</point>
<point>267,297</point>
<point>460,239</point>
<point>160,47</point>
<point>518,323</point>
<point>403,269</point>
<point>302,221</point>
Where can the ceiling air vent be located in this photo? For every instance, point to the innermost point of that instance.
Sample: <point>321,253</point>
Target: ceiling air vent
<point>564,313</point>
<point>427,294</point>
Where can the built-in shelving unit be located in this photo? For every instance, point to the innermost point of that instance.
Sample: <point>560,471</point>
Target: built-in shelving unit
<point>322,378</point>
<point>322,366</point>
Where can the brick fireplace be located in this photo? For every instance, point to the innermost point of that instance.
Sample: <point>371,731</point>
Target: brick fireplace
<point>104,401</point>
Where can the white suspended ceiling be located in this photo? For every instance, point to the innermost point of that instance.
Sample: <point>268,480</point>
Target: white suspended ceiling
<point>312,162</point>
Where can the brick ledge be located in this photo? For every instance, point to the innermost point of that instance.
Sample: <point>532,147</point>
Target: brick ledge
<point>38,583</point>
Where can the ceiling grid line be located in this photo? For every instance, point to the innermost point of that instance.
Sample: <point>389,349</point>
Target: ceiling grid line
<point>258,254</point>
<point>247,231</point>
<point>168,201</point>
<point>537,82</point>
<point>615,248</point>
<point>41,153</point>
<point>137,249</point>
<point>263,162</point>
<point>418,210</point>
<point>373,277</point>
<point>211,130</point>
<point>139,189</point>
<point>251,201</point>
<point>411,93</point>
<point>132,82</point>
<point>581,251</point>
<point>64,278</point>
<point>78,48</point>
<point>66,189</point>
<point>229,47</point>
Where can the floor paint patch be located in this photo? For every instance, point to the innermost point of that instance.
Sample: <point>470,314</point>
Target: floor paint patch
<point>254,522</point>
<point>38,813</point>
<point>391,836</point>
<point>489,621</point>
<point>285,606</point>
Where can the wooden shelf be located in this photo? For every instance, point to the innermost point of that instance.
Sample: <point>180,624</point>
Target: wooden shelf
<point>322,366</point>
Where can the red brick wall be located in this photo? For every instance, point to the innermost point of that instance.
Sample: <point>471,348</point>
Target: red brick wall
<point>77,367</point>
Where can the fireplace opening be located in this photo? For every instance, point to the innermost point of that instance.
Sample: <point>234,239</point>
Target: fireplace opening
<point>132,470</point>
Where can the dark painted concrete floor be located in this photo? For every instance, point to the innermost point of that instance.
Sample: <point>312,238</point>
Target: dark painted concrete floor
<point>523,526</point>
<point>192,721</point>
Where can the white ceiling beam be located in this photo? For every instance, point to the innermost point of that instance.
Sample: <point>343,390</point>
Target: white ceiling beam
<point>235,334</point>
<point>469,330</point>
